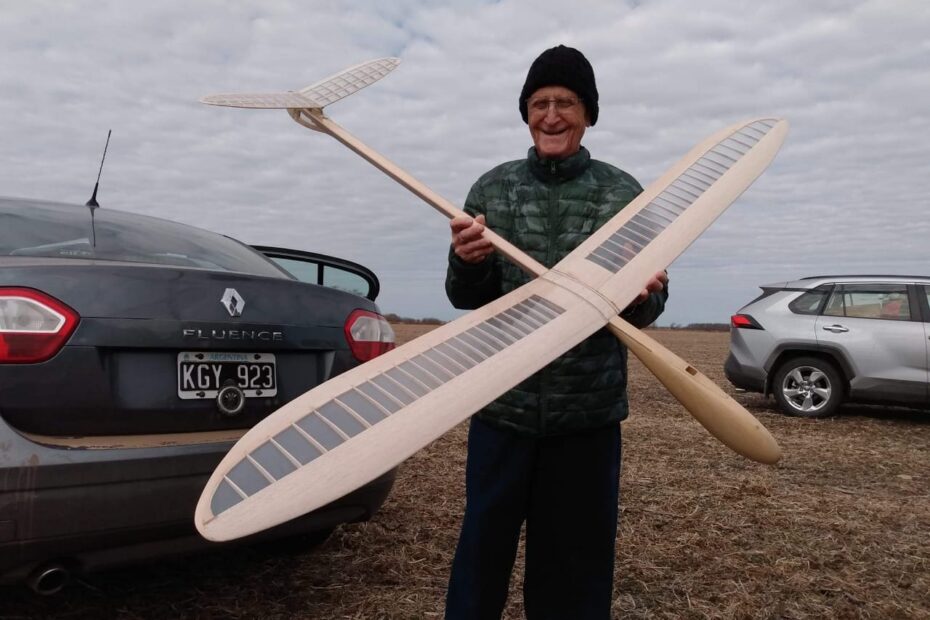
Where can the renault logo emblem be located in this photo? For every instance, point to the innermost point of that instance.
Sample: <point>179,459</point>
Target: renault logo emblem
<point>233,302</point>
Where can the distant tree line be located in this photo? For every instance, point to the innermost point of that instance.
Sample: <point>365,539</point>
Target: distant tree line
<point>393,318</point>
<point>706,327</point>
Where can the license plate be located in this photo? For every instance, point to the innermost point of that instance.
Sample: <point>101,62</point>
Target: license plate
<point>203,374</point>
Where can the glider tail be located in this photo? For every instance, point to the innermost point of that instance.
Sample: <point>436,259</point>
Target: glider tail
<point>316,96</point>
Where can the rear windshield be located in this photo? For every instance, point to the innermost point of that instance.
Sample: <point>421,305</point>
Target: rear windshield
<point>29,228</point>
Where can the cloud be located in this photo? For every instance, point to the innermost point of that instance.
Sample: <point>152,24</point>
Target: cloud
<point>846,194</point>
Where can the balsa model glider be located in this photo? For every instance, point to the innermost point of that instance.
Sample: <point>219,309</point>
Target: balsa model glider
<point>358,425</point>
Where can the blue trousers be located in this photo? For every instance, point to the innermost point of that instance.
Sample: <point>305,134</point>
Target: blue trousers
<point>566,489</point>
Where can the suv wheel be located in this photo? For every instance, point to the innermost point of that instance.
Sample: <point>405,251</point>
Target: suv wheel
<point>808,387</point>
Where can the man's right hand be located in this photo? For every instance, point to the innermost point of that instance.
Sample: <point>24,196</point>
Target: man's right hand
<point>467,242</point>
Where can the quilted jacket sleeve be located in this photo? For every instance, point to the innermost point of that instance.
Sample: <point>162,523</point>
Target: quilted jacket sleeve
<point>470,286</point>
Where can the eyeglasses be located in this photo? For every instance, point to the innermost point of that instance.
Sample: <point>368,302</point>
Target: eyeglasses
<point>562,104</point>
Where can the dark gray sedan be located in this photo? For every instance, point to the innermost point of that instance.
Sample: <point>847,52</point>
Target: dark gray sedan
<point>134,351</point>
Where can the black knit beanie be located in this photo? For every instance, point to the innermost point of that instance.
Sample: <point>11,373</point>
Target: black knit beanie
<point>562,66</point>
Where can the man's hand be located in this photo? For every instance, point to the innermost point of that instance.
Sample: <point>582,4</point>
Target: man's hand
<point>655,284</point>
<point>467,241</point>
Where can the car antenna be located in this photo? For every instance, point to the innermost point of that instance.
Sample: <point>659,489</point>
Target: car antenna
<point>92,203</point>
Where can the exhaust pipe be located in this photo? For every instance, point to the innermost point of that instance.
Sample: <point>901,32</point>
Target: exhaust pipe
<point>48,579</point>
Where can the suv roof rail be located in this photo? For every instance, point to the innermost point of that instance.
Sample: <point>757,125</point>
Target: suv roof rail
<point>860,275</point>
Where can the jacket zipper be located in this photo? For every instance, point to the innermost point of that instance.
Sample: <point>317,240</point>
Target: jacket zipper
<point>555,195</point>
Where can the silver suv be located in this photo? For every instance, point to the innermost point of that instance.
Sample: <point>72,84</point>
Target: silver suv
<point>820,341</point>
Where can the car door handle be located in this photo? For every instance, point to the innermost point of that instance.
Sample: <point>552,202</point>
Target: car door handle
<point>836,329</point>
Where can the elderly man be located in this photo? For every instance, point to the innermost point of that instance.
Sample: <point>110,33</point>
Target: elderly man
<point>546,453</point>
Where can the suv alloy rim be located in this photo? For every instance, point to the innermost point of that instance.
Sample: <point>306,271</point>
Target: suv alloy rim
<point>807,389</point>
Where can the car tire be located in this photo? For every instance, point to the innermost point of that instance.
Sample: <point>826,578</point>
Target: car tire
<point>296,544</point>
<point>308,542</point>
<point>808,387</point>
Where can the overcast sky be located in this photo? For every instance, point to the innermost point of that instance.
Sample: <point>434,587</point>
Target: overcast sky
<point>848,193</point>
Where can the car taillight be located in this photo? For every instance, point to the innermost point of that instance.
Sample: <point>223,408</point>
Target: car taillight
<point>744,321</point>
<point>33,326</point>
<point>369,335</point>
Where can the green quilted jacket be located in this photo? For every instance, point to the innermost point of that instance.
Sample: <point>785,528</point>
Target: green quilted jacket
<point>547,208</point>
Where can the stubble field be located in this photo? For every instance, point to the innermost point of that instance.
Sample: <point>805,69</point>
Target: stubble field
<point>840,528</point>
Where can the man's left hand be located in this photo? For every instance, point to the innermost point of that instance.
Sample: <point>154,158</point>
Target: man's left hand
<point>655,284</point>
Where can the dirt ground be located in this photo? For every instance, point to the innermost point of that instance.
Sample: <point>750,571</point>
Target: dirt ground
<point>838,529</point>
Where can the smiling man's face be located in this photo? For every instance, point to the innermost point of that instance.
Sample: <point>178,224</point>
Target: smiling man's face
<point>556,128</point>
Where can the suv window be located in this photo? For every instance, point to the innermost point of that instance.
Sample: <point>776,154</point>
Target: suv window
<point>809,302</point>
<point>870,301</point>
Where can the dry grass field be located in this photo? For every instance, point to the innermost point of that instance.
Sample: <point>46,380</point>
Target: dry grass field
<point>840,528</point>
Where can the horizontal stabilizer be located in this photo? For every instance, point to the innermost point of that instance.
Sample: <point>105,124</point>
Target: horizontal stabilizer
<point>315,96</point>
<point>349,81</point>
<point>262,101</point>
